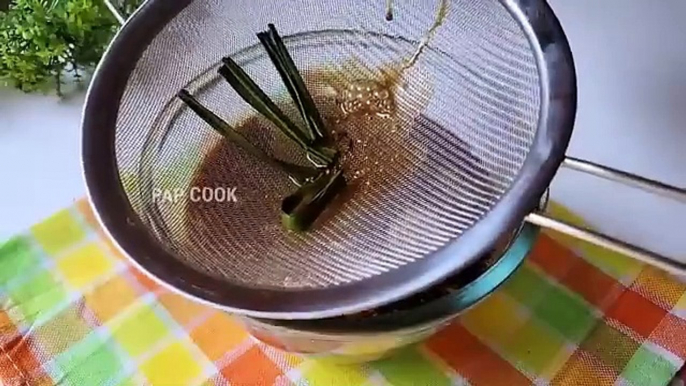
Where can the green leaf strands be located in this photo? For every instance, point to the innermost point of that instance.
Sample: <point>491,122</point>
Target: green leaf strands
<point>271,51</point>
<point>290,75</point>
<point>317,187</point>
<point>253,95</point>
<point>299,174</point>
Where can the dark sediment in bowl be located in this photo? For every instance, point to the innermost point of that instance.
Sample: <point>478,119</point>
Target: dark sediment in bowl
<point>446,299</point>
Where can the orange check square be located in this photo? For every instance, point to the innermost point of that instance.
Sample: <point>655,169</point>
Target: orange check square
<point>659,287</point>
<point>218,335</point>
<point>18,355</point>
<point>552,257</point>
<point>584,368</point>
<point>110,298</point>
<point>462,351</point>
<point>144,280</point>
<point>252,368</point>
<point>183,310</point>
<point>84,207</point>
<point>666,335</point>
<point>637,313</point>
<point>7,327</point>
<point>594,285</point>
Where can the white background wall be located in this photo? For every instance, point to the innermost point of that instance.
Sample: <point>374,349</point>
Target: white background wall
<point>631,59</point>
<point>631,65</point>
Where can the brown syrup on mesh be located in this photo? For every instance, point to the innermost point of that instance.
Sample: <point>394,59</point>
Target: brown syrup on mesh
<point>383,139</point>
<point>375,159</point>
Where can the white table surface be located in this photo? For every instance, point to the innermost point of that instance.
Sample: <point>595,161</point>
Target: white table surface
<point>631,63</point>
<point>39,158</point>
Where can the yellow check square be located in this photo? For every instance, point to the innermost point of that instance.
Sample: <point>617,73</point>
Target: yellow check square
<point>84,265</point>
<point>58,232</point>
<point>486,321</point>
<point>324,374</point>
<point>140,330</point>
<point>681,304</point>
<point>174,365</point>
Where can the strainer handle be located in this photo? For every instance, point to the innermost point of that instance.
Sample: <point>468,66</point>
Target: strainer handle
<point>600,239</point>
<point>114,11</point>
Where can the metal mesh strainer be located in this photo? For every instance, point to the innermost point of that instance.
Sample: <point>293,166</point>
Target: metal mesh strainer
<point>483,121</point>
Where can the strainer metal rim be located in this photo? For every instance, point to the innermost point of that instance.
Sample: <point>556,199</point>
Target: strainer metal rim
<point>129,234</point>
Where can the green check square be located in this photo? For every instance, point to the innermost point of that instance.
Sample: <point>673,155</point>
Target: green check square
<point>58,232</point>
<point>16,258</point>
<point>140,330</point>
<point>569,315</point>
<point>553,305</point>
<point>39,295</point>
<point>526,286</point>
<point>90,362</point>
<point>648,368</point>
<point>410,368</point>
<point>128,382</point>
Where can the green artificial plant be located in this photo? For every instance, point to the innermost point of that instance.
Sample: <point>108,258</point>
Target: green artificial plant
<point>46,43</point>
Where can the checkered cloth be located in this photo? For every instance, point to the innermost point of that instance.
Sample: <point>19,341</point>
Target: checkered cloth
<point>74,312</point>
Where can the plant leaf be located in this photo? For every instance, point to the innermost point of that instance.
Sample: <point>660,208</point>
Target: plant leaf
<point>301,209</point>
<point>299,174</point>
<point>294,82</point>
<point>276,60</point>
<point>253,95</point>
<point>38,38</point>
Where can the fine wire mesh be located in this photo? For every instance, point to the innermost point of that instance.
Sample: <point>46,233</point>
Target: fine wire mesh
<point>467,116</point>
